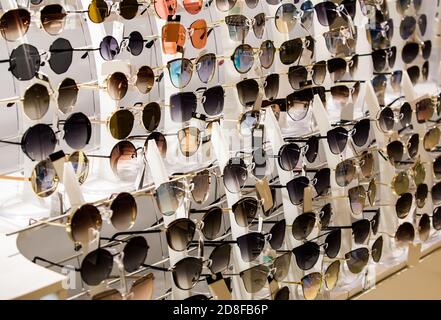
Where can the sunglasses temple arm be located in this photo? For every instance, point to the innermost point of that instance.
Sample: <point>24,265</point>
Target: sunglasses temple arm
<point>96,156</point>
<point>14,178</point>
<point>129,233</point>
<point>35,259</point>
<point>10,142</point>
<point>4,61</point>
<point>337,227</point>
<point>292,282</point>
<point>155,268</point>
<point>78,11</point>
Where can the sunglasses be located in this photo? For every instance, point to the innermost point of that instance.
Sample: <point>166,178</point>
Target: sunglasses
<point>412,49</point>
<point>44,179</point>
<point>437,167</point>
<point>239,26</point>
<point>415,74</point>
<point>227,5</point>
<point>408,26</point>
<point>327,11</point>
<point>381,57</point>
<point>379,34</point>
<point>98,10</point>
<point>431,139</point>
<point>287,16</point>
<point>338,137</point>
<point>248,89</point>
<point>405,234</point>
<point>403,5</point>
<point>346,170</point>
<point>357,259</point>
<point>310,151</point>
<point>304,224</point>
<point>357,197</point>
<point>379,82</point>
<point>395,149</point>
<point>424,223</point>
<point>341,41</point>
<point>141,289</point>
<point>235,174</point>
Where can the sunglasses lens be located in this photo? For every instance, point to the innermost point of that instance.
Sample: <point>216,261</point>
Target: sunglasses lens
<point>243,58</point>
<point>160,141</point>
<point>277,234</point>
<point>296,189</point>
<point>44,179</point>
<point>220,258</point>
<point>267,52</point>
<point>431,139</point>
<point>377,249</point>
<point>182,106</point>
<point>180,233</point>
<point>272,86</point>
<point>143,288</point>
<point>437,168</point>
<point>303,225</point>
<point>225,5</point>
<point>395,80</point>
<point>312,151</point>
<point>128,9</point>
<point>307,255</point>
<point>318,72</point>
<point>323,181</point>
<point>436,218</point>
<point>386,119</point>
<point>337,139</point>
<point>282,294</point>
<point>410,52</point>
<point>96,267</point>
<point>400,183</point>
<point>61,55</point>
<point>357,199</point>
<point>333,243</point>
<point>407,27</point>
<point>237,27</point>
<point>98,11</point>
<point>424,110</point>
<point>344,173</point>
<point>193,6</point>
<point>255,278</point>
<point>337,68</point>
<point>24,62</point>
<point>136,43</point>
<point>425,70</point>
<point>206,65</point>
<point>421,195</point>
<point>189,140</point>
<point>424,227</point>
<point>360,230</point>
<point>405,234</point>
<point>199,33</point>
<point>298,104</point>
<point>436,192</point>
<point>77,130</point>
<point>414,74</point>
<point>372,192</point>
<point>123,161</point>
<point>135,253</point>
<point>52,19</point>
<point>109,48</point>
<point>180,72</point>
<point>201,182</point>
<point>289,156</point>
<point>165,8</point>
<point>340,94</point>
<point>362,130</point>
<point>405,114</point>
<point>326,12</point>
<point>296,76</point>
<point>39,142</point>
<point>67,95</point>
<point>121,124</point>
<point>403,205</point>
<point>331,275</point>
<point>245,211</point>
<point>412,145</point>
<point>173,37</point>
<point>395,151</point>
<point>251,245</point>
<point>169,197</point>
<point>124,211</point>
<point>213,100</point>
<point>36,101</point>
<point>151,116</point>
<point>80,164</point>
<point>186,272</point>
<point>325,215</point>
<point>117,85</point>
<point>290,51</point>
<point>15,23</point>
<point>281,264</point>
<point>85,218</point>
<point>212,223</point>
<point>259,25</point>
<point>357,259</point>
<point>286,17</point>
<point>379,60</point>
<point>311,285</point>
<point>426,49</point>
<point>145,78</point>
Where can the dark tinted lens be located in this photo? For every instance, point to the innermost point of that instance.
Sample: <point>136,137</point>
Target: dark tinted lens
<point>128,9</point>
<point>83,219</point>
<point>406,114</point>
<point>259,25</point>
<point>357,199</point>
<point>307,255</point>
<point>247,90</point>
<point>322,181</point>
<point>426,49</point>
<point>109,48</point>
<point>67,95</point>
<point>298,104</point>
<point>267,52</point>
<point>77,130</point>
<point>201,182</point>
<point>431,139</point>
<point>180,233</point>
<point>357,259</point>
<point>282,294</point>
<point>436,218</point>
<point>205,67</point>
<point>395,151</point>
<point>436,192</point>
<point>277,234</point>
<point>186,272</point>
<point>117,85</point>
<point>414,74</point>
<point>379,83</point>
<point>235,174</point>
<point>220,258</point>
<point>243,58</point>
<point>151,116</point>
<point>36,101</point>
<point>24,62</point>
<point>422,24</point>
<point>96,267</point>
<point>325,215</point>
<point>52,19</point>
<point>360,230</point>
<point>375,222</point>
<point>395,80</point>
<point>425,70</point>
<point>212,223</point>
<point>386,120</point>
<point>145,78</point>
<point>345,172</point>
<point>135,253</point>
<point>182,106</point>
<point>245,211</point>
<point>410,52</point>
<point>303,225</point>
<point>238,27</point>
<point>403,205</point>
<point>361,133</point>
<point>38,142</point>
<point>289,156</point>
<point>407,27</point>
<point>379,60</point>
<point>326,12</point>
<point>337,68</point>
<point>424,227</point>
<point>402,6</point>
<point>405,234</point>
<point>437,168</point>
<point>15,23</point>
<point>312,149</point>
<point>255,278</point>
<point>412,145</point>
<point>337,139</point>
<point>124,211</point>
<point>296,76</point>
<point>319,72</point>
<point>136,43</point>
<point>251,245</point>
<point>271,86</point>
<point>333,243</point>
<point>121,124</point>
<point>377,249</point>
<point>98,11</point>
<point>213,100</point>
<point>424,110</point>
<point>290,51</point>
<point>296,189</point>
